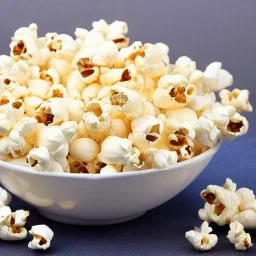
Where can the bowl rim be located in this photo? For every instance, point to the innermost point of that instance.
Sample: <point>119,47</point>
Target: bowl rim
<point>27,170</point>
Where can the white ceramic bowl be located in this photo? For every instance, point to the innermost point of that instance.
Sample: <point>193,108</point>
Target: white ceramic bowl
<point>93,199</point>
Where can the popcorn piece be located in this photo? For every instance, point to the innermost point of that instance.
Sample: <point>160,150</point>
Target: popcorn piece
<point>95,166</point>
<point>97,120</point>
<point>30,31</point>
<point>7,234</point>
<point>63,45</point>
<point>197,78</point>
<point>42,236</point>
<point>51,76</point>
<point>105,55</point>
<point>93,38</point>
<point>127,55</point>
<point>173,92</point>
<point>201,238</point>
<point>163,47</point>
<point>108,169</point>
<point>128,101</point>
<point>247,208</point>
<point>52,111</point>
<point>236,98</point>
<point>237,126</point>
<point>200,103</point>
<point>18,161</point>
<point>185,152</point>
<point>75,84</point>
<point>12,87</point>
<point>26,126</point>
<point>84,149</point>
<point>34,72</point>
<point>184,66</point>
<point>87,60</point>
<point>5,64</point>
<point>57,91</point>
<point>135,159</point>
<point>152,62</point>
<point>207,133</point>
<point>247,217</point>
<point>90,92</point>
<point>238,237</point>
<point>69,129</point>
<point>100,26</point>
<point>6,146</point>
<point>77,166</point>
<point>21,71</point>
<point>75,109</point>
<point>50,137</point>
<point>88,74</point>
<point>5,197</point>
<point>81,33</point>
<point>112,76</point>
<point>222,203</point>
<point>115,150</point>
<point>92,167</point>
<point>40,160</point>
<point>20,146</point>
<point>45,55</point>
<point>60,155</point>
<point>172,80</point>
<point>246,198</point>
<point>31,104</point>
<point>24,47</point>
<point>133,80</point>
<point>21,137</point>
<point>216,78</point>
<point>38,87</point>
<point>159,158</point>
<point>5,125</point>
<point>81,130</point>
<point>4,212</point>
<point>61,65</point>
<point>12,224</point>
<point>146,131</point>
<point>219,115</point>
<point>118,128</point>
<point>14,111</point>
<point>183,115</point>
<point>17,220</point>
<point>179,134</point>
<point>115,31</point>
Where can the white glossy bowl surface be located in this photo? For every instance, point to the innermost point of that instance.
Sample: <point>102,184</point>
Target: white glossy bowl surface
<point>96,199</point>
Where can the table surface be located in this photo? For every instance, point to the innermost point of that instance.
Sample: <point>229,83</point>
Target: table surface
<point>160,231</point>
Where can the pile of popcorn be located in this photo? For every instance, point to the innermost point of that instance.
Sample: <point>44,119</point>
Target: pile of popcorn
<point>94,104</point>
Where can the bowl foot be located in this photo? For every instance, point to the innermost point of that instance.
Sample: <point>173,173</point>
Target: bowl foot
<point>73,221</point>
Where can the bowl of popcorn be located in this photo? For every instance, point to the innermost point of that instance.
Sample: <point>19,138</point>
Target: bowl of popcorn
<point>94,130</point>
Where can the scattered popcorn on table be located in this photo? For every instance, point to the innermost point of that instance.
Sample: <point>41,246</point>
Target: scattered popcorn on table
<point>239,237</point>
<point>95,104</point>
<point>201,238</point>
<point>221,203</point>
<point>12,224</point>
<point>42,236</point>
<point>226,204</point>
